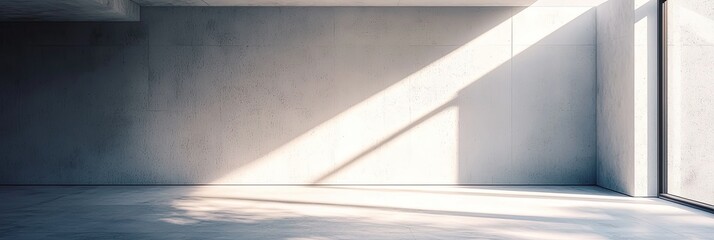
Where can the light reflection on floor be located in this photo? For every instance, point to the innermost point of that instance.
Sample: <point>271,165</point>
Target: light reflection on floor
<point>342,212</point>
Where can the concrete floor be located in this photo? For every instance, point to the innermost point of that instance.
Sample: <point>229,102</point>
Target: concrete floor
<point>342,212</point>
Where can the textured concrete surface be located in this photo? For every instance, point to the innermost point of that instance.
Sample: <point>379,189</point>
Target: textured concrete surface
<point>627,97</point>
<point>346,212</point>
<point>303,95</point>
<point>690,84</point>
<point>69,10</point>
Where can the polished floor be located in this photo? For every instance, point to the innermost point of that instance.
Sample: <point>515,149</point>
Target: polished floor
<point>342,212</point>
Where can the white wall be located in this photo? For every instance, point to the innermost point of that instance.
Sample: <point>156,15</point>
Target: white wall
<point>627,96</point>
<point>690,84</point>
<point>492,95</point>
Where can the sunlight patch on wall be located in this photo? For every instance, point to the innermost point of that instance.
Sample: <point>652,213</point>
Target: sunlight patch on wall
<point>645,107</point>
<point>641,123</point>
<point>408,132</point>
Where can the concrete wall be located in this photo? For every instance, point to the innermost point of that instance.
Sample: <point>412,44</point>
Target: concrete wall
<point>627,96</point>
<point>303,95</point>
<point>690,83</point>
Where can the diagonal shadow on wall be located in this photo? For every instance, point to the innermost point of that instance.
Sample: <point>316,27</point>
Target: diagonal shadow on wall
<point>229,89</point>
<point>190,94</point>
<point>546,111</point>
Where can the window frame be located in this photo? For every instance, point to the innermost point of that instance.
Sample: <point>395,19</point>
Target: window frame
<point>662,107</point>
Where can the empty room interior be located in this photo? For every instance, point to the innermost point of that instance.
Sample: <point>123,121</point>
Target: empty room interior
<point>357,119</point>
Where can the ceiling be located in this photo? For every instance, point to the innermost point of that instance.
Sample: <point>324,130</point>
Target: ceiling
<point>128,10</point>
<point>367,2</point>
<point>69,10</point>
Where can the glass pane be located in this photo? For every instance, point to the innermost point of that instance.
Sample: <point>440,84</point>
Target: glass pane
<point>690,99</point>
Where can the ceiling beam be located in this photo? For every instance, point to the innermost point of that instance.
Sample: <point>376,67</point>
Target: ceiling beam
<point>69,10</point>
